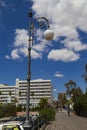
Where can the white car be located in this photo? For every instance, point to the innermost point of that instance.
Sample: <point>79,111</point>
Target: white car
<point>11,126</point>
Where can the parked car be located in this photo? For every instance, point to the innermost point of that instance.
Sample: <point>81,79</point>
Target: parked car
<point>20,119</point>
<point>11,126</point>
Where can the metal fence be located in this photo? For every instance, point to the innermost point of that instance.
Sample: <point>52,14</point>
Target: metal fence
<point>40,123</point>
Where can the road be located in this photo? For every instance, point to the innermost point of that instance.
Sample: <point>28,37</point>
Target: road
<point>65,122</point>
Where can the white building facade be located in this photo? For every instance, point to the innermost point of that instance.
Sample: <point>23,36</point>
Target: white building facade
<point>7,93</point>
<point>38,89</point>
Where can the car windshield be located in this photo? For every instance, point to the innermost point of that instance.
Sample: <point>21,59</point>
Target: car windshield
<point>10,127</point>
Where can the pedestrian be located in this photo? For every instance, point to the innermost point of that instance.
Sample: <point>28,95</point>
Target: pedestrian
<point>68,110</point>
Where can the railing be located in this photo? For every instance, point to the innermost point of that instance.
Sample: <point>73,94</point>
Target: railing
<point>40,122</point>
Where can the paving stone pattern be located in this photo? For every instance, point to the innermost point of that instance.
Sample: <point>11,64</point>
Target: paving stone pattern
<point>65,122</point>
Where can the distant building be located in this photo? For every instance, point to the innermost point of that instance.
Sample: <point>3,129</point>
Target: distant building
<point>38,89</point>
<point>61,99</point>
<point>7,93</point>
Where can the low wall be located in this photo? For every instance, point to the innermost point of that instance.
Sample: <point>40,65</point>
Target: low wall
<point>24,113</point>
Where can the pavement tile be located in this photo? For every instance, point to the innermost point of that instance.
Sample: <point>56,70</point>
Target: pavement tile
<point>64,122</point>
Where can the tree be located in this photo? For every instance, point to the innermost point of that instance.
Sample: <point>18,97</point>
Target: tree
<point>69,85</point>
<point>7,110</point>
<point>73,91</point>
<point>85,75</point>
<point>15,100</point>
<point>76,93</point>
<point>0,93</point>
<point>49,112</point>
<point>20,96</point>
<point>80,106</point>
<point>43,102</point>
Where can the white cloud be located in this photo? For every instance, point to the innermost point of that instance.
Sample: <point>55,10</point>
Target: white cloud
<point>23,51</point>
<point>7,57</point>
<point>36,55</point>
<point>21,44</point>
<point>21,38</point>
<point>2,3</point>
<point>65,16</point>
<point>63,12</point>
<point>64,54</point>
<point>15,54</point>
<point>76,45</point>
<point>58,74</point>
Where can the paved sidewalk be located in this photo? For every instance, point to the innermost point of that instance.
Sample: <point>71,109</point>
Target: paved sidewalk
<point>65,122</point>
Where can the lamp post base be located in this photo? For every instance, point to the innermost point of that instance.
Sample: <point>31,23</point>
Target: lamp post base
<point>27,125</point>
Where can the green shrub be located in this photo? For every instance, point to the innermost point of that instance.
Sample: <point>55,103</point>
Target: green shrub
<point>80,106</point>
<point>19,108</point>
<point>7,110</point>
<point>49,112</point>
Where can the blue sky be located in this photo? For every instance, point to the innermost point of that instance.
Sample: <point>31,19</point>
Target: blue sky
<point>61,59</point>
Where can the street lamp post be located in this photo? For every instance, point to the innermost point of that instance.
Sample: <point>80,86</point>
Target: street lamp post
<point>54,90</point>
<point>48,35</point>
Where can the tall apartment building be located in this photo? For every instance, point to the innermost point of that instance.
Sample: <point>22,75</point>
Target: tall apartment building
<point>7,93</point>
<point>38,89</point>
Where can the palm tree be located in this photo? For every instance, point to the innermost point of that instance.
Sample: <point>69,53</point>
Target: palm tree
<point>20,96</point>
<point>1,94</point>
<point>43,102</point>
<point>15,101</point>
<point>85,75</point>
